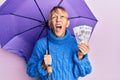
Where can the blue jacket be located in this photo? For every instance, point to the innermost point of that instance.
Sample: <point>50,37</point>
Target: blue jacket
<point>65,63</point>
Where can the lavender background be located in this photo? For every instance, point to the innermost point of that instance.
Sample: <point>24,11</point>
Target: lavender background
<point>104,44</point>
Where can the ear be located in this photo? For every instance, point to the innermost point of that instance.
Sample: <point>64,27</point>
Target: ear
<point>68,23</point>
<point>49,23</point>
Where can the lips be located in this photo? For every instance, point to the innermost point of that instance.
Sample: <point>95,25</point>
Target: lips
<point>58,27</point>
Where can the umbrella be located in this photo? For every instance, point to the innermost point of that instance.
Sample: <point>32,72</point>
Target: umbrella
<point>24,21</point>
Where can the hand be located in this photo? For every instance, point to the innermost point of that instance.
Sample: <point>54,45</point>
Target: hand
<point>47,59</point>
<point>83,49</point>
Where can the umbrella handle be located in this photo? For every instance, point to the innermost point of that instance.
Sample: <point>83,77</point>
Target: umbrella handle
<point>49,68</point>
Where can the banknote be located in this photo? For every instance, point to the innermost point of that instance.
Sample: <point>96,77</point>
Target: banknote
<point>82,33</point>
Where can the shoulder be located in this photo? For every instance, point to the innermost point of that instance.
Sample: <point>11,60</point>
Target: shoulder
<point>41,41</point>
<point>72,39</point>
<point>74,44</point>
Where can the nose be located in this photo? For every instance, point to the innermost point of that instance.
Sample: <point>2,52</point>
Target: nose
<point>58,18</point>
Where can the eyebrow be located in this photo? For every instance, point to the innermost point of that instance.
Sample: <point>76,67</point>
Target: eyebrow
<point>63,14</point>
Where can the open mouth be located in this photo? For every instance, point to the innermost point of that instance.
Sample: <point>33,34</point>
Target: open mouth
<point>59,27</point>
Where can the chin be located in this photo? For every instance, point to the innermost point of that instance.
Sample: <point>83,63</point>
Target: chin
<point>59,35</point>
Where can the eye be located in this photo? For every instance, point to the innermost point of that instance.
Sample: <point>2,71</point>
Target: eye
<point>62,16</point>
<point>54,17</point>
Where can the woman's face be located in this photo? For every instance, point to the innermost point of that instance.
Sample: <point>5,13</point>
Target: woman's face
<point>59,22</point>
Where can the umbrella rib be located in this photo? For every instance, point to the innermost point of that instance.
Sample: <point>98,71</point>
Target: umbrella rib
<point>26,17</point>
<point>31,29</point>
<point>60,2</point>
<point>40,10</point>
<point>83,17</point>
<point>27,30</point>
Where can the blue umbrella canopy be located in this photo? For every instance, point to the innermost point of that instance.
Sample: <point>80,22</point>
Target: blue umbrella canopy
<point>24,21</point>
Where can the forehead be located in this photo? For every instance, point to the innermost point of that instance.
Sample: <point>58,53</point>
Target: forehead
<point>59,11</point>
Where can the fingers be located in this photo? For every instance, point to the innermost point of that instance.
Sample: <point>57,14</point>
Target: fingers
<point>47,59</point>
<point>80,55</point>
<point>84,48</point>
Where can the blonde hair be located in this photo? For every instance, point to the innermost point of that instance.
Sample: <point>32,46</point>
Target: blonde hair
<point>56,9</point>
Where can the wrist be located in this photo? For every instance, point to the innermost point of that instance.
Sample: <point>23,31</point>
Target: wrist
<point>80,55</point>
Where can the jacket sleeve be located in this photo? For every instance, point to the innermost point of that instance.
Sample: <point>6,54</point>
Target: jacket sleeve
<point>81,67</point>
<point>34,66</point>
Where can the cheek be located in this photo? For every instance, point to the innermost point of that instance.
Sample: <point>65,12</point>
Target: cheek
<point>66,24</point>
<point>52,24</point>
